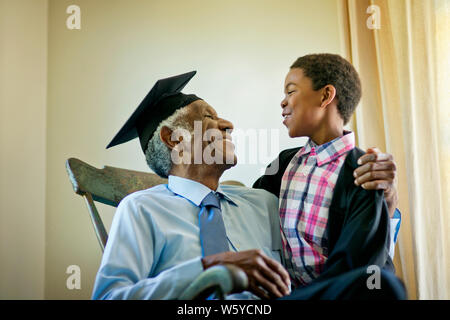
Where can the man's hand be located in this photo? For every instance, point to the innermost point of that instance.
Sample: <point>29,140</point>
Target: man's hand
<point>377,170</point>
<point>266,277</point>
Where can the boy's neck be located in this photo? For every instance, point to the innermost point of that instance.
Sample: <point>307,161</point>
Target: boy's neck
<point>328,131</point>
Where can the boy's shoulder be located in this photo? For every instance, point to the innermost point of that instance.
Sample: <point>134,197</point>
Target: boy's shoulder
<point>352,157</point>
<point>345,190</point>
<point>288,154</point>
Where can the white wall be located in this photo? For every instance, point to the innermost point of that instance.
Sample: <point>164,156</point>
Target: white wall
<point>99,74</point>
<point>23,88</point>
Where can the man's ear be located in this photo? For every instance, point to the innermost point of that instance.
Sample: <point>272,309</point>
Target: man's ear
<point>166,137</point>
<point>328,95</point>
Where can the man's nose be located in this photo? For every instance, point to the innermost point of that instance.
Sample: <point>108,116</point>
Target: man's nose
<point>226,125</point>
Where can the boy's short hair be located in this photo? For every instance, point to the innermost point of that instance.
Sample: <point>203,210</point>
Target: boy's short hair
<point>327,68</point>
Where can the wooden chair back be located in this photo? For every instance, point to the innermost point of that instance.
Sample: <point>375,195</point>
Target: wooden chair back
<point>109,185</point>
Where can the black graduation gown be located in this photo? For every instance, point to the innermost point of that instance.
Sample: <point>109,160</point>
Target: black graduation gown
<point>357,229</point>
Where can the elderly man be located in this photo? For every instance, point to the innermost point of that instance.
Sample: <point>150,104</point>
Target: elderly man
<point>164,237</point>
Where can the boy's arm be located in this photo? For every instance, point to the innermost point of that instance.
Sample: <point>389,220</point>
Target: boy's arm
<point>377,171</point>
<point>364,237</point>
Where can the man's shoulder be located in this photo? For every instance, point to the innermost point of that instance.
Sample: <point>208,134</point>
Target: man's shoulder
<point>252,195</point>
<point>156,192</point>
<point>244,191</point>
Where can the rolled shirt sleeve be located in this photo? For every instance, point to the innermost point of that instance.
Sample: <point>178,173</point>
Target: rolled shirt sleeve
<point>127,270</point>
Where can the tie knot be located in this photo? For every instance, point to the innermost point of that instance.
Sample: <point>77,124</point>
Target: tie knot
<point>210,200</point>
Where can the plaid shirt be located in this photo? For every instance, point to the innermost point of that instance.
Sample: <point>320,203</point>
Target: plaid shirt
<point>305,196</point>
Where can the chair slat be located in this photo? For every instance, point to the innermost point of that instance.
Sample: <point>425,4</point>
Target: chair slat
<point>108,185</point>
<point>99,227</point>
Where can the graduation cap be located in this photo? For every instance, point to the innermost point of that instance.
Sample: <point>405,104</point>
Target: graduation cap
<point>160,103</point>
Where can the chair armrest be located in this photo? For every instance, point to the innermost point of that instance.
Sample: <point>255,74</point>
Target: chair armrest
<point>216,282</point>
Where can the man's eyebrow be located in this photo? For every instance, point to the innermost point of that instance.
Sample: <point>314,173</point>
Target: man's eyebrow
<point>209,112</point>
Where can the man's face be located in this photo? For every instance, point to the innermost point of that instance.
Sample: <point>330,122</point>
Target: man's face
<point>216,142</point>
<point>301,104</point>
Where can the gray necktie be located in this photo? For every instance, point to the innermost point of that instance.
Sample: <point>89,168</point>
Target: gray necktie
<point>213,237</point>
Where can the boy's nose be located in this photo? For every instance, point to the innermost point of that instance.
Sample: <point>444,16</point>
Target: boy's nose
<point>283,103</point>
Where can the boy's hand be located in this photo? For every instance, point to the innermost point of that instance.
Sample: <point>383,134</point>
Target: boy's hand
<point>377,171</point>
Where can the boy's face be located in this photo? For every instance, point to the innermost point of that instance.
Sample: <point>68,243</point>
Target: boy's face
<point>301,104</point>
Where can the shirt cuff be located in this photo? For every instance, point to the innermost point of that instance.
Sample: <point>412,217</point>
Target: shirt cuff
<point>395,222</point>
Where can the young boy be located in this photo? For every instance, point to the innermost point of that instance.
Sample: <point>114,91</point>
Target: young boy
<point>330,225</point>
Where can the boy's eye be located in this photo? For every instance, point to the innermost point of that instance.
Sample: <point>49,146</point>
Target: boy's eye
<point>209,116</point>
<point>289,92</point>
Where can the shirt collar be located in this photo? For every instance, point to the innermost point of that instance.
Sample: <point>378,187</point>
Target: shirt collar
<point>331,150</point>
<point>192,190</point>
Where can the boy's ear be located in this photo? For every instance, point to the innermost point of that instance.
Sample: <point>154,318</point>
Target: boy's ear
<point>328,95</point>
<point>166,137</point>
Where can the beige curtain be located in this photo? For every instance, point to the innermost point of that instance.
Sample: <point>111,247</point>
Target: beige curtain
<point>401,49</point>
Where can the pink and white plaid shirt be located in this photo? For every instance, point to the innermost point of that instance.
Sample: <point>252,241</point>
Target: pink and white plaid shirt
<point>306,190</point>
